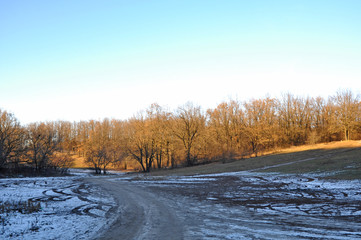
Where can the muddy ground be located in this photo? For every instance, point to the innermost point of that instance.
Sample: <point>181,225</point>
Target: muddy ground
<point>239,205</point>
<point>243,205</point>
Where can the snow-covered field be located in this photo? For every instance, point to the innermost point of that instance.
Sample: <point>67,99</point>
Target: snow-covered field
<point>69,209</point>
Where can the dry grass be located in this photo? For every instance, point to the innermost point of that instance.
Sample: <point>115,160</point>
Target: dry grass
<point>79,162</point>
<point>331,145</point>
<point>342,158</point>
<point>343,163</point>
<point>24,207</point>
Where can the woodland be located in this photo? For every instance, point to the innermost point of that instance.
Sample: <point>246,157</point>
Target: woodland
<point>161,138</point>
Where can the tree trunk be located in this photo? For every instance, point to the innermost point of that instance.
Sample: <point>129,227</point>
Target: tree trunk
<point>189,158</point>
<point>347,134</point>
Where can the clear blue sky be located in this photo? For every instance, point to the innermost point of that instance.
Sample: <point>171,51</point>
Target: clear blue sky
<point>81,60</point>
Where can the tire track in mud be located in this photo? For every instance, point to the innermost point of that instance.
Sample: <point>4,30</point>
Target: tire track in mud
<point>80,191</point>
<point>281,204</point>
<point>140,214</point>
<point>257,205</point>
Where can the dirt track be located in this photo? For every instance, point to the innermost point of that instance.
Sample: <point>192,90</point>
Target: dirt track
<point>141,214</point>
<point>243,205</point>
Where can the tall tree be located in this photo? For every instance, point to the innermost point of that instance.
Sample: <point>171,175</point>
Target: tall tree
<point>159,129</point>
<point>117,144</point>
<point>11,138</point>
<point>224,124</point>
<point>347,111</point>
<point>260,125</point>
<point>189,124</point>
<point>141,144</point>
<point>295,119</point>
<point>42,144</point>
<point>99,147</point>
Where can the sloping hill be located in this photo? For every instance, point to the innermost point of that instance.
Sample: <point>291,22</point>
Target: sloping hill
<point>340,160</point>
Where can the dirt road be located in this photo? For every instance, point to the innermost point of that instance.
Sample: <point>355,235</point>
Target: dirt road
<point>140,214</point>
<point>243,205</point>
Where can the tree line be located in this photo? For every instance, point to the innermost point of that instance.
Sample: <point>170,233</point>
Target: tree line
<point>159,138</point>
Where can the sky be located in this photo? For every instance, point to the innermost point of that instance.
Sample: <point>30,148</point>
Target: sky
<point>86,59</point>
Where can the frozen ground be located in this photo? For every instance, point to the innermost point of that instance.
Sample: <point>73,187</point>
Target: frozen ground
<point>249,205</point>
<point>241,205</point>
<point>69,208</point>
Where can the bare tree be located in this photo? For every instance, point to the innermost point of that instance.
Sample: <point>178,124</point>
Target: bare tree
<point>188,126</point>
<point>159,138</point>
<point>158,120</point>
<point>295,119</point>
<point>224,126</point>
<point>140,142</point>
<point>260,124</point>
<point>61,161</point>
<point>65,135</point>
<point>82,132</point>
<point>98,147</point>
<point>11,139</point>
<point>117,144</point>
<point>347,111</point>
<point>41,145</point>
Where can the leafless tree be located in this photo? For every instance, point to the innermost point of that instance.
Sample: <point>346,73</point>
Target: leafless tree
<point>260,125</point>
<point>11,139</point>
<point>189,125</point>
<point>347,111</point>
<point>99,147</point>
<point>42,144</point>
<point>224,127</point>
<point>187,136</point>
<point>141,144</point>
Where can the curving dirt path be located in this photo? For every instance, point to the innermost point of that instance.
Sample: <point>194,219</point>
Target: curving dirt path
<point>141,214</point>
<point>243,205</point>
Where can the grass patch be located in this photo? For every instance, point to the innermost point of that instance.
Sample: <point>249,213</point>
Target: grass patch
<point>24,207</point>
<point>344,163</point>
<point>342,159</point>
<point>79,162</point>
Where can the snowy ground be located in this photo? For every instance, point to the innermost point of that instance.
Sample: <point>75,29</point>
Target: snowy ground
<point>69,209</point>
<point>249,205</point>
<point>241,205</point>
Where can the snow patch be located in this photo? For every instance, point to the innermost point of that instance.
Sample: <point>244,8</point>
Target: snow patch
<point>69,209</point>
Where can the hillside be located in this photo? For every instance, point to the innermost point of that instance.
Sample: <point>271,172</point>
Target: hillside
<point>341,160</point>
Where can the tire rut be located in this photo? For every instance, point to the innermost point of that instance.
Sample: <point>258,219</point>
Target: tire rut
<point>141,214</point>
